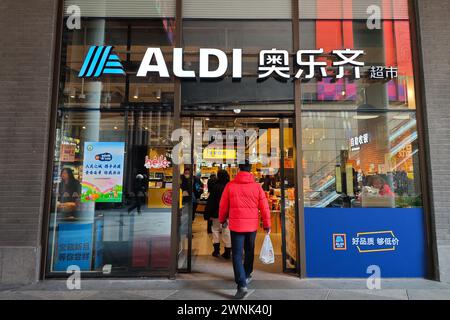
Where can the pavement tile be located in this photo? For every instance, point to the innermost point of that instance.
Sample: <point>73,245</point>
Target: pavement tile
<point>152,294</point>
<point>13,295</point>
<point>423,294</point>
<point>389,294</point>
<point>60,295</point>
<point>205,295</point>
<point>117,295</point>
<point>289,294</point>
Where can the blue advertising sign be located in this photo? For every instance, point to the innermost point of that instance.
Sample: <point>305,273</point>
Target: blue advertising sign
<point>343,242</point>
<point>74,246</point>
<point>98,259</point>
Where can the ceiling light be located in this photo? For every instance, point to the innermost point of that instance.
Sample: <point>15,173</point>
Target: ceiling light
<point>402,117</point>
<point>365,117</point>
<point>237,111</point>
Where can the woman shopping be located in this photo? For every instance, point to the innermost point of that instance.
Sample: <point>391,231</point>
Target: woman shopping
<point>212,213</point>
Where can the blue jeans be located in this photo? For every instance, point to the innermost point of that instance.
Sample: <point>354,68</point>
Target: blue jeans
<point>242,242</point>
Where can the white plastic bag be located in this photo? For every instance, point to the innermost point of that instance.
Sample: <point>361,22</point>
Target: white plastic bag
<point>267,255</point>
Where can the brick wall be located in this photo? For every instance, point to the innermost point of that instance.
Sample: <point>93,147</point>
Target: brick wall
<point>435,38</point>
<point>27,30</point>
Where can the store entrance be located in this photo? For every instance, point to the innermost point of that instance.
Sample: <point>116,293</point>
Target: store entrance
<point>221,143</point>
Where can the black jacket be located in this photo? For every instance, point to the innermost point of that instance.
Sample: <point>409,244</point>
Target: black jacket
<point>212,206</point>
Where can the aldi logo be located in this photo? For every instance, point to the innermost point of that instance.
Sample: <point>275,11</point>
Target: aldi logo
<point>101,60</point>
<point>344,63</point>
<point>339,241</point>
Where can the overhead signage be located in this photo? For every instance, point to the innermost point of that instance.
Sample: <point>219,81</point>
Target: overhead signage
<point>310,64</point>
<point>209,153</point>
<point>358,141</point>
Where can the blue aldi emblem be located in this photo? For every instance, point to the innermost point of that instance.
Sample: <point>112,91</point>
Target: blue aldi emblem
<point>101,60</point>
<point>339,241</point>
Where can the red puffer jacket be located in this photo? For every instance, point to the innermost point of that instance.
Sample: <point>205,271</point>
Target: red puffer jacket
<point>241,200</point>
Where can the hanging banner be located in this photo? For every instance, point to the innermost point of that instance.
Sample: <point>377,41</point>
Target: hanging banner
<point>103,172</point>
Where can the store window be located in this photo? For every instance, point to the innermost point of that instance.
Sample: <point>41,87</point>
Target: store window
<point>112,181</point>
<point>226,25</point>
<point>361,170</point>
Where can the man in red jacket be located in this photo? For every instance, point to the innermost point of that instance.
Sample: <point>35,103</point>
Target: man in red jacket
<point>241,201</point>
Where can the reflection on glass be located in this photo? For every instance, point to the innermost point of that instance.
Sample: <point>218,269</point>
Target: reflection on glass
<point>130,39</point>
<point>251,36</point>
<point>360,160</point>
<point>112,197</point>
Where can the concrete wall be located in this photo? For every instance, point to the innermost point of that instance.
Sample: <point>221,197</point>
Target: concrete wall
<point>435,39</point>
<point>27,30</point>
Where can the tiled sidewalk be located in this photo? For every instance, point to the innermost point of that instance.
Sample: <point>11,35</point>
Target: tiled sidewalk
<point>317,289</point>
<point>212,279</point>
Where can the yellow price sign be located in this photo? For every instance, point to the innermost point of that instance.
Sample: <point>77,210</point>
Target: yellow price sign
<point>209,153</point>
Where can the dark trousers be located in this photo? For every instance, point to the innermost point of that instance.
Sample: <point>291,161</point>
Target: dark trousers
<point>243,250</point>
<point>137,203</point>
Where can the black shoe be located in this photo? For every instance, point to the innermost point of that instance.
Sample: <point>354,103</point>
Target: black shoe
<point>227,253</point>
<point>241,293</point>
<point>216,252</point>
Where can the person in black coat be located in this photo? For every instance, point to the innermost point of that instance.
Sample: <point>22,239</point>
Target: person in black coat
<point>140,186</point>
<point>212,212</point>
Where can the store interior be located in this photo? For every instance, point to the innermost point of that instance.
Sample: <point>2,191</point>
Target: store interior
<point>268,144</point>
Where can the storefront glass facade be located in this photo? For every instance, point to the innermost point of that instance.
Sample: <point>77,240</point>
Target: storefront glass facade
<point>360,144</point>
<point>346,138</point>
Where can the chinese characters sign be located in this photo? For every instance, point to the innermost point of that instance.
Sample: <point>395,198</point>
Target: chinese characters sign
<point>358,141</point>
<point>103,172</point>
<point>309,64</point>
<point>379,241</point>
<point>74,246</point>
<point>156,162</point>
<point>276,62</point>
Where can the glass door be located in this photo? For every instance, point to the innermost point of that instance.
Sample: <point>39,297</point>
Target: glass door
<point>222,143</point>
<point>289,205</point>
<point>185,208</point>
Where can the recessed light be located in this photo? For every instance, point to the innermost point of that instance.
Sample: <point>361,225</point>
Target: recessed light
<point>365,117</point>
<point>402,117</point>
<point>115,128</point>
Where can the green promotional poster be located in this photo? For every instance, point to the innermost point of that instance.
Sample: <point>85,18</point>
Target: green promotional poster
<point>102,172</point>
